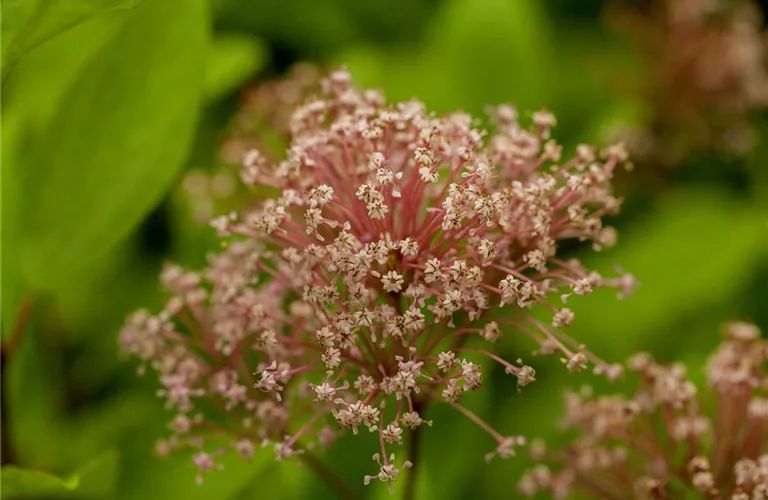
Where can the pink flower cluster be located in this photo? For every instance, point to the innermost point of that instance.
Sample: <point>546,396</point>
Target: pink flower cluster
<point>668,440</point>
<point>396,243</point>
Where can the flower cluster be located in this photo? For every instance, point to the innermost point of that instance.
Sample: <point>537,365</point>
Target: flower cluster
<point>261,122</point>
<point>662,442</point>
<point>707,67</point>
<point>263,119</point>
<point>395,245</point>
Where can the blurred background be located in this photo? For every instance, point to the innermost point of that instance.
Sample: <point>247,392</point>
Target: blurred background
<point>120,121</point>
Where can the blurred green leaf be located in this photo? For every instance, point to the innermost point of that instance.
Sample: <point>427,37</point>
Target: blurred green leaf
<point>474,53</point>
<point>102,424</point>
<point>232,60</point>
<point>277,480</point>
<point>64,403</point>
<point>31,96</point>
<point>95,479</point>
<point>696,249</point>
<point>12,288</point>
<point>315,30</point>
<point>28,23</point>
<point>98,477</point>
<point>533,413</point>
<point>316,27</point>
<point>174,477</point>
<point>25,483</point>
<point>756,159</point>
<point>446,466</point>
<point>115,143</point>
<point>42,78</point>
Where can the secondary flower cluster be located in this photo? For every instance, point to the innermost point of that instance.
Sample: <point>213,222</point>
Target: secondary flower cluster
<point>707,64</point>
<point>396,244</point>
<point>261,122</point>
<point>667,441</point>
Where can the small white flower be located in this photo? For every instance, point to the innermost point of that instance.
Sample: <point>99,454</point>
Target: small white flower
<point>331,357</point>
<point>564,317</point>
<point>392,434</point>
<point>446,361</point>
<point>392,282</point>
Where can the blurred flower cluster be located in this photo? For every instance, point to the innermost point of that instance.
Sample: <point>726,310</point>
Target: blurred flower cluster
<point>668,440</point>
<point>261,122</point>
<point>395,248</point>
<point>707,70</point>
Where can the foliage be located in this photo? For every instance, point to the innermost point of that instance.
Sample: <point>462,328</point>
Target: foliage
<point>27,25</point>
<point>95,479</point>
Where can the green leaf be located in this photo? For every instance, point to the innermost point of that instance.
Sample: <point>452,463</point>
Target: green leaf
<point>95,479</point>
<point>174,477</point>
<point>446,466</point>
<point>42,78</point>
<point>98,477</point>
<point>278,481</point>
<point>25,483</point>
<point>756,161</point>
<point>500,46</point>
<point>116,142</point>
<point>31,96</point>
<point>29,23</point>
<point>232,60</point>
<point>12,288</point>
<point>692,252</point>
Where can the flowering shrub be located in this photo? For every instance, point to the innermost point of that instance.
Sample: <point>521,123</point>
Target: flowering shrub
<point>346,299</point>
<point>662,441</point>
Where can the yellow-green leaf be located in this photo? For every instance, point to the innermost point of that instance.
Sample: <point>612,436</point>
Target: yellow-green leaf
<point>115,143</point>
<point>25,483</point>
<point>26,24</point>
